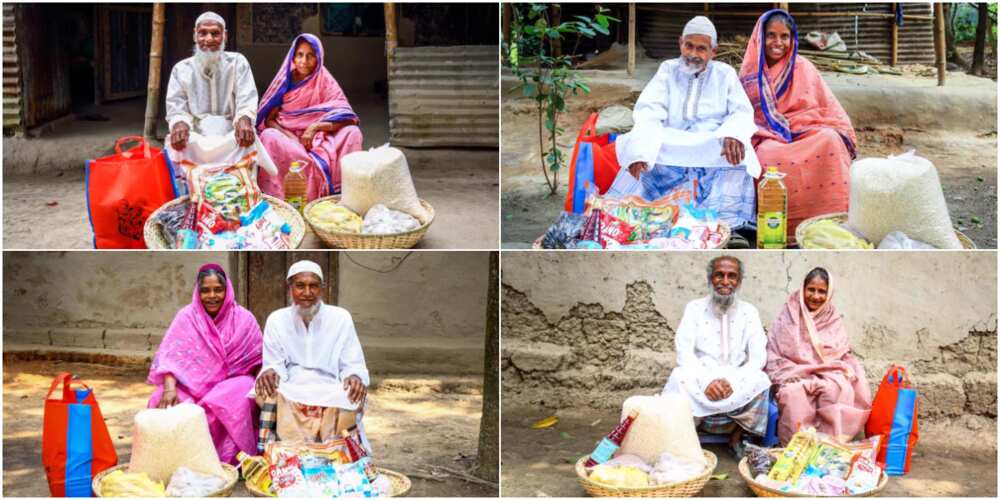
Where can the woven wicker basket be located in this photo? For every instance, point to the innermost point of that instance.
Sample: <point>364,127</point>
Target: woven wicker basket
<point>688,488</point>
<point>400,484</point>
<point>723,228</point>
<point>368,241</point>
<point>232,475</point>
<point>155,240</point>
<point>764,491</point>
<point>841,218</point>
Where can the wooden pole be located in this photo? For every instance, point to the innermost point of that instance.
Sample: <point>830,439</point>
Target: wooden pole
<point>391,33</point>
<point>155,60</point>
<point>939,55</point>
<point>894,57</point>
<point>508,15</point>
<point>631,39</point>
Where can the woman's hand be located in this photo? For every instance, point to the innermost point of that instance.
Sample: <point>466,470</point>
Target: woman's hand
<point>307,136</point>
<point>168,399</point>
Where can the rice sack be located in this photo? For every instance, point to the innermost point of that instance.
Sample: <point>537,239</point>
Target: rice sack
<point>664,424</point>
<point>379,175</point>
<point>165,440</point>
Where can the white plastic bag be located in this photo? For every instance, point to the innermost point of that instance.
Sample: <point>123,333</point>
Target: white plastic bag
<point>671,469</point>
<point>900,193</point>
<point>379,175</point>
<point>383,220</point>
<point>897,240</point>
<point>165,440</point>
<point>188,483</point>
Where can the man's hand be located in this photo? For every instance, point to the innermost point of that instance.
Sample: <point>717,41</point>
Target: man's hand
<point>307,137</point>
<point>719,389</point>
<point>267,383</point>
<point>244,132</point>
<point>732,150</point>
<point>179,136</point>
<point>168,399</point>
<point>637,169</point>
<point>356,390</point>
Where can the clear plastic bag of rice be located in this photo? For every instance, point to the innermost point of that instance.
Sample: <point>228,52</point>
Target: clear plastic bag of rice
<point>900,193</point>
<point>165,440</point>
<point>384,220</point>
<point>379,175</point>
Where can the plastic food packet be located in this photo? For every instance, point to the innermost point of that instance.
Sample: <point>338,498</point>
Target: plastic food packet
<point>230,189</point>
<point>383,220</point>
<point>336,218</point>
<point>759,459</point>
<point>187,239</point>
<point>126,484</point>
<point>592,227</point>
<point>867,448</point>
<point>830,459</point>
<point>828,234</point>
<point>228,240</point>
<point>864,475</point>
<point>321,475</point>
<point>188,483</point>
<point>613,228</point>
<point>171,221</point>
<point>285,469</point>
<point>334,451</point>
<point>565,231</point>
<point>210,221</point>
<point>353,481</point>
<point>794,457</point>
<point>263,227</point>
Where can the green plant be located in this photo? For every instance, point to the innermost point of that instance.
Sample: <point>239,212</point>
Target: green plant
<point>546,75</point>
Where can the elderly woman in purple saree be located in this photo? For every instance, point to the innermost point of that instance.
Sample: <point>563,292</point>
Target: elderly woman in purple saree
<point>210,356</point>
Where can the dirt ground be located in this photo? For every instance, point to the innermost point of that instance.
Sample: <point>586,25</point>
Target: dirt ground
<point>966,161</point>
<point>540,463</point>
<point>413,428</point>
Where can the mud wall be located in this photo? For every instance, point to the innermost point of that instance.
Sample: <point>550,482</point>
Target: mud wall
<point>591,329</point>
<point>424,313</point>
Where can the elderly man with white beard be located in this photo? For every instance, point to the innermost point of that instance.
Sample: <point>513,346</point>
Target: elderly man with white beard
<point>313,367</point>
<point>211,104</point>
<point>693,122</point>
<point>721,353</point>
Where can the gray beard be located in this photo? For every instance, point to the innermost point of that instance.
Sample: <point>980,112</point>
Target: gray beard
<point>308,313</point>
<point>209,60</point>
<point>689,69</point>
<point>722,302</point>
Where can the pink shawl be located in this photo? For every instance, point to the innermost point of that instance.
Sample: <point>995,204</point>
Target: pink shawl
<point>801,343</point>
<point>316,98</point>
<point>201,351</point>
<point>790,98</point>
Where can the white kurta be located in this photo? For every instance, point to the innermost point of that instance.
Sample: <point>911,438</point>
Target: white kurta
<point>682,119</point>
<point>211,104</point>
<point>709,348</point>
<point>313,362</point>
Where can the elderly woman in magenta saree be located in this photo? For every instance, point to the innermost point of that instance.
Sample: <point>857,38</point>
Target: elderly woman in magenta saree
<point>801,127</point>
<point>210,356</point>
<point>304,116</point>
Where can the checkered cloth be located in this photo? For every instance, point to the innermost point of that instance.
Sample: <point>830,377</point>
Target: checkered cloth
<point>268,425</point>
<point>752,418</point>
<point>728,190</point>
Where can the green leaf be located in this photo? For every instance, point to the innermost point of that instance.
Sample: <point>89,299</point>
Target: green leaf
<point>589,33</point>
<point>602,29</point>
<point>976,220</point>
<point>584,87</point>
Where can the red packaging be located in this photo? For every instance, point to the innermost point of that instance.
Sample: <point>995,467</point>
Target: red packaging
<point>614,228</point>
<point>211,221</point>
<point>286,470</point>
<point>592,228</point>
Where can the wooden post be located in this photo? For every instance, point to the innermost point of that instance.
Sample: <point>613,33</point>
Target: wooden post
<point>155,60</point>
<point>508,15</point>
<point>631,39</point>
<point>894,58</point>
<point>783,6</point>
<point>391,33</point>
<point>939,55</point>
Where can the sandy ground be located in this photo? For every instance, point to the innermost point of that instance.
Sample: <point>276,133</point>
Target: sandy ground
<point>540,463</point>
<point>412,428</point>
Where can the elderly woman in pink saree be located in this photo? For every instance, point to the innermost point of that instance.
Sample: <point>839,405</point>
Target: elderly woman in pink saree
<point>819,382</point>
<point>801,127</point>
<point>304,116</point>
<point>210,356</point>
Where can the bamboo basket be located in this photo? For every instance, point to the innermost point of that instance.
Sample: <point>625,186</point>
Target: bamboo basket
<point>841,218</point>
<point>232,477</point>
<point>368,241</point>
<point>400,484</point>
<point>156,241</point>
<point>764,491</point>
<point>688,488</point>
<point>723,228</point>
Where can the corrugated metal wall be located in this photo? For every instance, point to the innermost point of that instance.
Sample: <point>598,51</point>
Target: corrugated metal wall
<point>444,96</point>
<point>11,72</point>
<point>658,31</point>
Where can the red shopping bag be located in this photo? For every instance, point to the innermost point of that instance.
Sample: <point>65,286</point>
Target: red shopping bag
<point>894,417</point>
<point>594,163</point>
<point>76,445</point>
<point>124,189</point>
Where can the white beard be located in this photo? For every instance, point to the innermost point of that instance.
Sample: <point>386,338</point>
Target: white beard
<point>308,313</point>
<point>722,303</point>
<point>689,69</point>
<point>209,60</point>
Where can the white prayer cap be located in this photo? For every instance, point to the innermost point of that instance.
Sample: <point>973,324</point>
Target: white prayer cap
<point>210,17</point>
<point>700,25</point>
<point>305,266</point>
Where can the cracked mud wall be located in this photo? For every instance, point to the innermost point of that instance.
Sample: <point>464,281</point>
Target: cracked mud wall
<point>590,329</point>
<point>425,313</point>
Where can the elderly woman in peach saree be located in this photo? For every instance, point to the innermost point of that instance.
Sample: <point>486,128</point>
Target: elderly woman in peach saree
<point>819,382</point>
<point>801,127</point>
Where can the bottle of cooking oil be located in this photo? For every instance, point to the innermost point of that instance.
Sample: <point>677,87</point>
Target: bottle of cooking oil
<point>772,211</point>
<point>295,185</point>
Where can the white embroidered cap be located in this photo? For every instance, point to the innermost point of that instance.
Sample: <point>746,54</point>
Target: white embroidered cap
<point>210,17</point>
<point>701,25</point>
<point>305,266</point>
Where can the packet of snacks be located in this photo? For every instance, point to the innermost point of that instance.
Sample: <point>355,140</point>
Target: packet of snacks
<point>230,189</point>
<point>286,468</point>
<point>864,475</point>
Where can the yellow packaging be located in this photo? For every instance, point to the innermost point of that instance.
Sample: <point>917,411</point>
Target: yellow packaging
<point>621,476</point>
<point>128,484</point>
<point>793,460</point>
<point>337,218</point>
